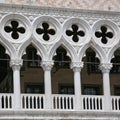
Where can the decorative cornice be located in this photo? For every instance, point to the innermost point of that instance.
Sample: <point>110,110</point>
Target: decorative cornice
<point>58,12</point>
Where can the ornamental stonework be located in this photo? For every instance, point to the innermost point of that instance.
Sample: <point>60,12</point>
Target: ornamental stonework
<point>109,5</point>
<point>49,28</point>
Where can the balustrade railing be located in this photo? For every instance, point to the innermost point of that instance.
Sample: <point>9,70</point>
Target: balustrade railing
<point>115,102</point>
<point>32,101</point>
<point>63,102</point>
<point>59,102</point>
<point>6,101</point>
<point>92,102</point>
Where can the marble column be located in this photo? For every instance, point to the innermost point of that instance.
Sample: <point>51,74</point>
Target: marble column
<point>47,66</point>
<point>77,66</point>
<point>105,68</point>
<point>16,65</point>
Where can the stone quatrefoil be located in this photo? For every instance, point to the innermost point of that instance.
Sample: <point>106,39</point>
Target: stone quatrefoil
<point>14,29</point>
<point>46,31</point>
<point>75,33</point>
<point>103,34</point>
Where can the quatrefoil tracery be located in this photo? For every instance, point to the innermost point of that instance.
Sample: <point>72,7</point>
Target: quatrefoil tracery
<point>46,31</point>
<point>75,33</point>
<point>104,34</point>
<point>14,29</point>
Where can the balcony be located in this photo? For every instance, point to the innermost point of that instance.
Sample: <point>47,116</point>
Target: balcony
<point>59,102</point>
<point>62,106</point>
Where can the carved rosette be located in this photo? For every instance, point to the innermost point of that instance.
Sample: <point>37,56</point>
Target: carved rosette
<point>46,29</point>
<point>47,65</point>
<point>15,28</point>
<point>76,31</point>
<point>105,33</point>
<point>105,67</point>
<point>77,66</point>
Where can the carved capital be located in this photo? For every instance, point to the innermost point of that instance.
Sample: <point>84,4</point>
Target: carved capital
<point>16,64</point>
<point>76,66</point>
<point>105,67</point>
<point>47,65</point>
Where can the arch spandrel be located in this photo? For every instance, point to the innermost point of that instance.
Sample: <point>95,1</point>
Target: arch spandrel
<point>111,52</point>
<point>10,50</point>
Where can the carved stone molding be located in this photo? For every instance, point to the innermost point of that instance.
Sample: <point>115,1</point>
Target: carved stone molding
<point>76,66</point>
<point>16,63</point>
<point>105,67</point>
<point>61,19</point>
<point>58,12</point>
<point>15,28</point>
<point>47,65</point>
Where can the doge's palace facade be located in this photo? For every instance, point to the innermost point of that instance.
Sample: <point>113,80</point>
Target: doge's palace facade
<point>76,25</point>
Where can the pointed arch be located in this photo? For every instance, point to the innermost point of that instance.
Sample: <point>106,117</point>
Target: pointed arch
<point>40,49</point>
<point>69,48</point>
<point>111,52</point>
<point>98,50</point>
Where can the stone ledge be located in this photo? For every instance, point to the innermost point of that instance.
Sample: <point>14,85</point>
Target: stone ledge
<point>57,114</point>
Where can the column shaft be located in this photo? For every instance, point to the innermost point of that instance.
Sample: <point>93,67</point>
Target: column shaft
<point>16,65</point>
<point>16,81</point>
<point>47,65</point>
<point>77,84</point>
<point>77,87</point>
<point>105,68</point>
<point>106,88</point>
<point>47,79</point>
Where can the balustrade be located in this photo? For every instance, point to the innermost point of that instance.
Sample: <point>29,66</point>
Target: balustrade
<point>115,102</point>
<point>92,102</point>
<point>59,102</point>
<point>32,101</point>
<point>6,101</point>
<point>63,102</point>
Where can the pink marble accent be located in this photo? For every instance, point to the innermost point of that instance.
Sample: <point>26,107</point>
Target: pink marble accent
<point>107,5</point>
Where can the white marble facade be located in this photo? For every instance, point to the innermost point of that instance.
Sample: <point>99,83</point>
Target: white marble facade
<point>90,26</point>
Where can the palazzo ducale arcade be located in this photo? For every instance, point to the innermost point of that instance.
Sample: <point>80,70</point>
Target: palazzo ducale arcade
<point>59,61</point>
